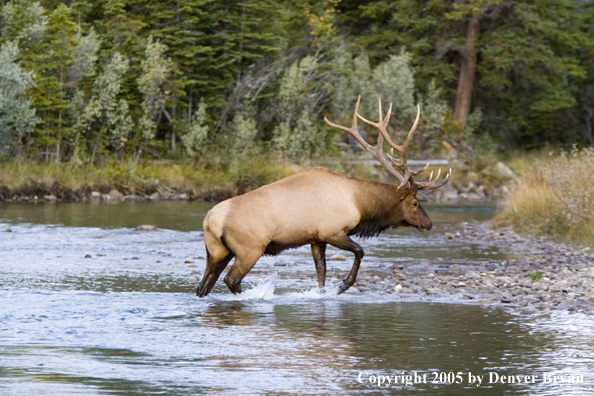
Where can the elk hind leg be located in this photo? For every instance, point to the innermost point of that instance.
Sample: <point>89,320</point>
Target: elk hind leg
<point>242,265</point>
<point>215,264</point>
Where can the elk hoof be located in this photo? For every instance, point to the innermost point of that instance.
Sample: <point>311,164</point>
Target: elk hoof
<point>234,285</point>
<point>345,285</point>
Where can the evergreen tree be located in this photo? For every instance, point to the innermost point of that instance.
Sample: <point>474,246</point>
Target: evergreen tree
<point>54,88</point>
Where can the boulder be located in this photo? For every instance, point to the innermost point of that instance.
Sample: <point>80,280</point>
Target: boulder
<point>115,195</point>
<point>146,227</point>
<point>502,171</point>
<point>337,257</point>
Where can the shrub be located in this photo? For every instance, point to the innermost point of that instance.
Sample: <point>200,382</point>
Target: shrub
<point>556,199</point>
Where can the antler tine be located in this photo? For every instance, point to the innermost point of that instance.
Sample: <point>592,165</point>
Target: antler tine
<point>381,125</point>
<point>401,162</point>
<point>387,119</point>
<point>420,170</point>
<point>353,130</point>
<point>379,106</point>
<point>432,184</point>
<point>413,129</point>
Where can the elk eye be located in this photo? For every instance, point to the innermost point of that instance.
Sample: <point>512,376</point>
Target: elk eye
<point>415,203</point>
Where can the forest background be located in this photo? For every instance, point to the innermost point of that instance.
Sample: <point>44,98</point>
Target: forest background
<point>224,85</point>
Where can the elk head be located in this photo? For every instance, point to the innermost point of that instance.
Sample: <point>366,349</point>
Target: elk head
<point>408,206</point>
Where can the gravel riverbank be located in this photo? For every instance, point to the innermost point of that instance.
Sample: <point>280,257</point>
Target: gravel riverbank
<point>544,275</point>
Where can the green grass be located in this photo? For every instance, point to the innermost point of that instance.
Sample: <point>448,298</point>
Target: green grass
<point>130,177</point>
<point>536,276</point>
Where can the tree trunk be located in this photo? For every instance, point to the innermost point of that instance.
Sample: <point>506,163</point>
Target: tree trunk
<point>467,71</point>
<point>173,130</point>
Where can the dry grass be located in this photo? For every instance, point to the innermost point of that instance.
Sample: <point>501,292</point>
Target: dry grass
<point>553,197</point>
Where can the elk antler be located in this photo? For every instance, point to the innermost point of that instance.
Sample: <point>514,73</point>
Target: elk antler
<point>377,150</point>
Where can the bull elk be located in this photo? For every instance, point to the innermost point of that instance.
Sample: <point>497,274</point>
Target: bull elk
<point>316,207</point>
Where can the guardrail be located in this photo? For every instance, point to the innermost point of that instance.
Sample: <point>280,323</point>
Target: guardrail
<point>411,161</point>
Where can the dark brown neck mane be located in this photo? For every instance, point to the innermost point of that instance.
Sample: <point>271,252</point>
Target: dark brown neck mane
<point>377,203</point>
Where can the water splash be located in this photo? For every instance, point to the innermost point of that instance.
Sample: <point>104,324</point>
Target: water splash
<point>264,290</point>
<point>261,291</point>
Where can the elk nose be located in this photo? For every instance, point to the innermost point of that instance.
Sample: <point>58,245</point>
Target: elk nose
<point>427,226</point>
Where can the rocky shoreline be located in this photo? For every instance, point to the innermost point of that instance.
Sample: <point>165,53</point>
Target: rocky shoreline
<point>544,276</point>
<point>450,193</point>
<point>106,193</point>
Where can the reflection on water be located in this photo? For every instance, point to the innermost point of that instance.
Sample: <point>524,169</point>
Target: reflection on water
<point>181,216</point>
<point>92,307</point>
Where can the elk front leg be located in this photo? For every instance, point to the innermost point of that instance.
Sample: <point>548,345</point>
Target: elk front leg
<point>318,251</point>
<point>244,262</point>
<point>345,243</point>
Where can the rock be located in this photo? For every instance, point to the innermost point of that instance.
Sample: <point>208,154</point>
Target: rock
<point>50,198</point>
<point>95,195</point>
<point>146,227</point>
<point>506,299</point>
<point>451,235</point>
<point>397,288</point>
<point>154,197</point>
<point>502,171</point>
<point>88,256</point>
<point>189,261</point>
<point>115,195</point>
<point>472,176</point>
<point>135,198</point>
<point>472,197</point>
<point>280,264</point>
<point>449,193</point>
<point>337,257</point>
<point>8,230</point>
<point>501,193</point>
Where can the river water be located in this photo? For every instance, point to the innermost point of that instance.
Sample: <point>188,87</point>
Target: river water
<point>91,307</point>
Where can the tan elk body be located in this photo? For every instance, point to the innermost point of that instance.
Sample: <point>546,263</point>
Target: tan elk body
<point>315,207</point>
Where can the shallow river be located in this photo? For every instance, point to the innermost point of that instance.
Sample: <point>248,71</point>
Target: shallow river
<point>88,306</point>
